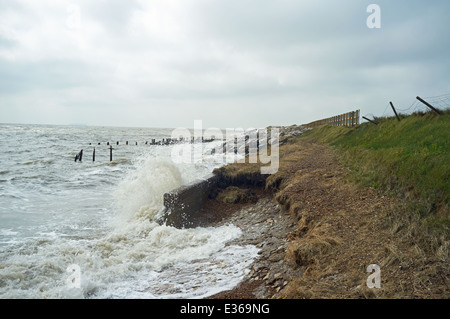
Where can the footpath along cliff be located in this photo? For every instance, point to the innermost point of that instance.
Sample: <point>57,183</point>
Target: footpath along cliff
<point>320,225</point>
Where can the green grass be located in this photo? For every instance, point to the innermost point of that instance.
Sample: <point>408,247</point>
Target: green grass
<point>408,159</point>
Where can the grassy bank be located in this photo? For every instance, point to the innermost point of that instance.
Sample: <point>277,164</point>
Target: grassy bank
<point>370,194</point>
<point>409,159</point>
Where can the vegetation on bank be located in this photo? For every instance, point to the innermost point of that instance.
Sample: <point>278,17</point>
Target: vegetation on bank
<point>409,160</point>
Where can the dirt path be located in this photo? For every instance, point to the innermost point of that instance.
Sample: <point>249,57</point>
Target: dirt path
<point>319,242</point>
<point>343,229</point>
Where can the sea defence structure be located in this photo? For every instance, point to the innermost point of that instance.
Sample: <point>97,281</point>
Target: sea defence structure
<point>184,203</point>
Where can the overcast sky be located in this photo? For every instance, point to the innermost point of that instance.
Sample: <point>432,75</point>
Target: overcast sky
<point>230,63</point>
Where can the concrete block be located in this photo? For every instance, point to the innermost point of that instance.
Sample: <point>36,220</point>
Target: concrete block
<point>184,203</point>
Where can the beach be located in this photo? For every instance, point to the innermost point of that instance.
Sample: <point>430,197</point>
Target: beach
<point>266,226</point>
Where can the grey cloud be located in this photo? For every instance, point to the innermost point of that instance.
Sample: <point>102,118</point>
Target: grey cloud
<point>20,77</point>
<point>266,60</point>
<point>7,43</point>
<point>114,15</point>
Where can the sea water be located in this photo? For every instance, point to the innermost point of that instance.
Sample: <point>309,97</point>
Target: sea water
<point>102,218</point>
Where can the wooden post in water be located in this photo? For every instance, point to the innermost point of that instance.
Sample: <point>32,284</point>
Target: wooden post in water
<point>93,155</point>
<point>395,112</point>
<point>110,153</point>
<point>79,156</point>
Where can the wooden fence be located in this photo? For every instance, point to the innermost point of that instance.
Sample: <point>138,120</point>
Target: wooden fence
<point>349,119</point>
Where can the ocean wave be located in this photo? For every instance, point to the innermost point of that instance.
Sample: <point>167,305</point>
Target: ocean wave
<point>103,217</point>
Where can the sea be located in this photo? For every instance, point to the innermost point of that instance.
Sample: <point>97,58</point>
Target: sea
<point>90,230</point>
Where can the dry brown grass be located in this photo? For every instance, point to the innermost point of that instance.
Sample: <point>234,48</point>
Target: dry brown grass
<point>309,249</point>
<point>234,195</point>
<point>342,228</point>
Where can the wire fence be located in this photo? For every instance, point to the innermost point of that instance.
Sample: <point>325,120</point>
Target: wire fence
<point>351,119</point>
<point>440,102</point>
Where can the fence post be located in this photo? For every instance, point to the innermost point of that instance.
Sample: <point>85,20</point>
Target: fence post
<point>370,120</point>
<point>395,112</point>
<point>429,105</point>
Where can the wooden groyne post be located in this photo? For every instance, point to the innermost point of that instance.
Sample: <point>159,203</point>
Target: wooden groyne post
<point>79,156</point>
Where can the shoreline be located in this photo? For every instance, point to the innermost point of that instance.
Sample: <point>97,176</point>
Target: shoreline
<point>320,231</point>
<point>265,225</point>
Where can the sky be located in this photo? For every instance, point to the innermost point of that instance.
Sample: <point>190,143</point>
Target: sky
<point>229,63</point>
